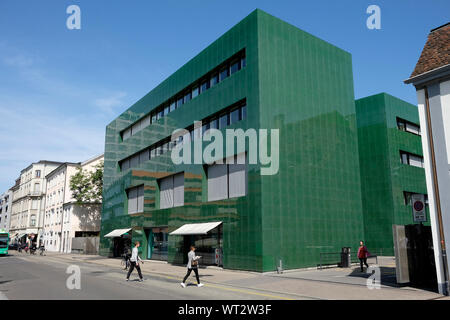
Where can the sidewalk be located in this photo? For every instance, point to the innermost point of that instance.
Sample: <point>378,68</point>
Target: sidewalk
<point>332,283</point>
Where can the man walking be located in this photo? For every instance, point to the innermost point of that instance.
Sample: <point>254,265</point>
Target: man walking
<point>134,260</point>
<point>192,265</point>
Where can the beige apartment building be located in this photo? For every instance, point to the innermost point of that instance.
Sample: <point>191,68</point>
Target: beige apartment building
<point>27,215</point>
<point>64,218</point>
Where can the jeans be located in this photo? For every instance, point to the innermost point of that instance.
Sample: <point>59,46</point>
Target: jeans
<point>189,272</point>
<point>132,266</point>
<point>361,261</point>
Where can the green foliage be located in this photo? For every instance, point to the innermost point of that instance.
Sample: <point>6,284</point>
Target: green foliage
<point>87,187</point>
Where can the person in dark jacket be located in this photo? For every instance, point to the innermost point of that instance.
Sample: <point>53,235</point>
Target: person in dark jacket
<point>363,253</point>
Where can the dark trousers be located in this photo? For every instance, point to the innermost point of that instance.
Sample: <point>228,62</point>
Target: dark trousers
<point>132,266</point>
<point>189,273</point>
<point>361,261</point>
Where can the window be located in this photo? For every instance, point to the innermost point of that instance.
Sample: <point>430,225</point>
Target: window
<point>194,92</point>
<point>144,156</point>
<point>153,118</point>
<point>166,111</point>
<point>171,191</point>
<point>214,79</point>
<point>145,122</point>
<point>243,62</point>
<point>407,197</point>
<point>34,204</point>
<point>136,128</point>
<point>235,66</point>
<point>214,124</point>
<point>37,187</point>
<point>33,220</point>
<point>243,112</point>
<point>224,121</point>
<point>179,102</point>
<point>38,173</point>
<point>187,97</point>
<point>224,74</point>
<point>204,86</point>
<point>411,159</point>
<point>172,106</point>
<point>136,199</point>
<point>126,165</point>
<point>227,180</point>
<point>407,126</point>
<point>235,116</point>
<point>134,161</point>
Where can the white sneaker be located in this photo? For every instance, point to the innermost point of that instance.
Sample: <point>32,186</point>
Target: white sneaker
<point>200,285</point>
<point>183,285</point>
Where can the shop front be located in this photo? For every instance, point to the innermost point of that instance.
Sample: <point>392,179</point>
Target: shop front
<point>121,241</point>
<point>206,238</point>
<point>157,244</point>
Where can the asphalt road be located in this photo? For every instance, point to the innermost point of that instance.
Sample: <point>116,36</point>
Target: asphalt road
<point>41,277</point>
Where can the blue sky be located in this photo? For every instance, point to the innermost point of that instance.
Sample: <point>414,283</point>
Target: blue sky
<point>59,88</point>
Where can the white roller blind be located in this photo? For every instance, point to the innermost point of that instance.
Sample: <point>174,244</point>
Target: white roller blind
<point>132,200</point>
<point>415,161</point>
<point>166,193</point>
<point>136,128</point>
<point>143,156</point>
<point>217,182</point>
<point>237,177</point>
<point>140,199</point>
<point>412,128</point>
<point>178,190</point>
<point>145,122</point>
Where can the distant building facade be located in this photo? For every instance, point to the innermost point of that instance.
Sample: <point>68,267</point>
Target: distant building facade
<point>28,202</point>
<point>65,219</point>
<point>5,209</point>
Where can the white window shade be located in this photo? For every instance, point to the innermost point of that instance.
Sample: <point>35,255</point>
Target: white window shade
<point>145,122</point>
<point>178,190</point>
<point>217,182</point>
<point>140,199</point>
<point>412,128</point>
<point>415,161</point>
<point>166,193</point>
<point>136,128</point>
<point>126,134</point>
<point>237,177</point>
<point>132,200</point>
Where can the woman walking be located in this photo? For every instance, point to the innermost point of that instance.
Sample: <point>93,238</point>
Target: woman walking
<point>192,265</point>
<point>362,255</point>
<point>134,262</point>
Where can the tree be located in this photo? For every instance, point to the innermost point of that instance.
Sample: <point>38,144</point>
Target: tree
<point>87,186</point>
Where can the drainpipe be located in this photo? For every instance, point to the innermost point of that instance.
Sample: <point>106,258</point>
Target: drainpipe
<point>436,192</point>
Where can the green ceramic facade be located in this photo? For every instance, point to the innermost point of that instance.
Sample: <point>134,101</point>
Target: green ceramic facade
<point>384,178</point>
<point>293,82</point>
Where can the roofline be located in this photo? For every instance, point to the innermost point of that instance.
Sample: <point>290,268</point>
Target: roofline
<point>65,164</point>
<point>92,159</point>
<point>41,162</point>
<point>437,28</point>
<point>431,75</point>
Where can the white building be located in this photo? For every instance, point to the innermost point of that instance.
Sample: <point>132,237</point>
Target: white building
<point>431,77</point>
<point>5,209</point>
<point>28,201</point>
<point>64,218</point>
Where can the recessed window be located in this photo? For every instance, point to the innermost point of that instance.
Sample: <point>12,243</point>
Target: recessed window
<point>136,128</point>
<point>214,124</point>
<point>171,191</point>
<point>408,126</point>
<point>166,111</point>
<point>194,92</point>
<point>135,199</point>
<point>172,106</point>
<point>224,121</point>
<point>235,66</point>
<point>214,79</point>
<point>204,86</point>
<point>134,161</point>
<point>179,102</point>
<point>235,116</point>
<point>187,97</point>
<point>224,74</point>
<point>411,159</point>
<point>38,173</point>
<point>145,122</point>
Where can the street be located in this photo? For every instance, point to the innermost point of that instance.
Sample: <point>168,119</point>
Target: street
<point>44,277</point>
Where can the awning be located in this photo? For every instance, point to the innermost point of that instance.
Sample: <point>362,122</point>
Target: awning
<point>117,233</point>
<point>21,235</point>
<point>195,228</point>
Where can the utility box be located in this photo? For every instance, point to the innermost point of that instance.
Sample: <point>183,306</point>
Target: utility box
<point>345,257</point>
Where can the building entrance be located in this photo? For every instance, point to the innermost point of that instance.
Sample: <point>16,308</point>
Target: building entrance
<point>157,244</point>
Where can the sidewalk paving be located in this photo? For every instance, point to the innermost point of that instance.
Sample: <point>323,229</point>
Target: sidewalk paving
<point>331,283</point>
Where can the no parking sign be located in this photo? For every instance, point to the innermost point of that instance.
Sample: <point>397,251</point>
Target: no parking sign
<point>418,204</point>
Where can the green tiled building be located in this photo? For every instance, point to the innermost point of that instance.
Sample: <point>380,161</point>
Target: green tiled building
<point>391,162</point>
<point>263,74</point>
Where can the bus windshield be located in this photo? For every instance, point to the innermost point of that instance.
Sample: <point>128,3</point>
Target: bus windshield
<point>4,240</point>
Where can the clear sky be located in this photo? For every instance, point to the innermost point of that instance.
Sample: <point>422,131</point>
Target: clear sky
<point>59,88</point>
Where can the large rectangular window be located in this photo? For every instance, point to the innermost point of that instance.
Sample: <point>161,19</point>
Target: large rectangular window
<point>407,126</point>
<point>411,159</point>
<point>227,180</point>
<point>136,199</point>
<point>171,191</point>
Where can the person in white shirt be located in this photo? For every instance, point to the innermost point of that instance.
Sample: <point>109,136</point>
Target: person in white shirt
<point>192,265</point>
<point>134,260</point>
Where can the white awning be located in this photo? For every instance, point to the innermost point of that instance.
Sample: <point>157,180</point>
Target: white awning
<point>195,228</point>
<point>117,233</point>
